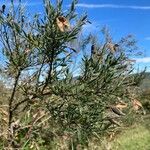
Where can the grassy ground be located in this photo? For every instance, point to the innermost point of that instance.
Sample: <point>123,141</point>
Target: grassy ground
<point>136,137</point>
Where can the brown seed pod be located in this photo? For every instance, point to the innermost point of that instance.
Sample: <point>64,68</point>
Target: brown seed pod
<point>136,104</point>
<point>27,50</point>
<point>121,106</point>
<point>62,23</point>
<point>117,111</point>
<point>114,121</point>
<point>3,8</point>
<point>112,47</point>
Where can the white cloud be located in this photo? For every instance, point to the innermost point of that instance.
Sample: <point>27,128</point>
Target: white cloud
<point>143,60</point>
<point>112,6</point>
<point>147,38</point>
<point>27,3</point>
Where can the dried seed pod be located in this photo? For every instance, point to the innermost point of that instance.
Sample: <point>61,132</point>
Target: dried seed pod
<point>114,121</point>
<point>27,50</point>
<point>117,111</point>
<point>3,8</point>
<point>93,49</point>
<point>121,106</point>
<point>8,15</point>
<point>136,104</point>
<point>62,23</point>
<point>112,47</point>
<point>22,19</point>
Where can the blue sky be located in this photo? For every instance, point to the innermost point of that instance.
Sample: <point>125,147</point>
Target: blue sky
<point>122,17</point>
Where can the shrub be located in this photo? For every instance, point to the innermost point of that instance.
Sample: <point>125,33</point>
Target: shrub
<point>46,100</point>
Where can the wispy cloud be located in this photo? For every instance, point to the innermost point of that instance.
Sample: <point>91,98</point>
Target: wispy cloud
<point>27,3</point>
<point>143,60</point>
<point>147,38</point>
<point>113,6</point>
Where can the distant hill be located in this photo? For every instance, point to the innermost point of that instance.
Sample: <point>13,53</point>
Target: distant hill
<point>146,81</point>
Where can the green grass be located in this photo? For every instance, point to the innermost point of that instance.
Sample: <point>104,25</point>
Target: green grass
<point>137,138</point>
